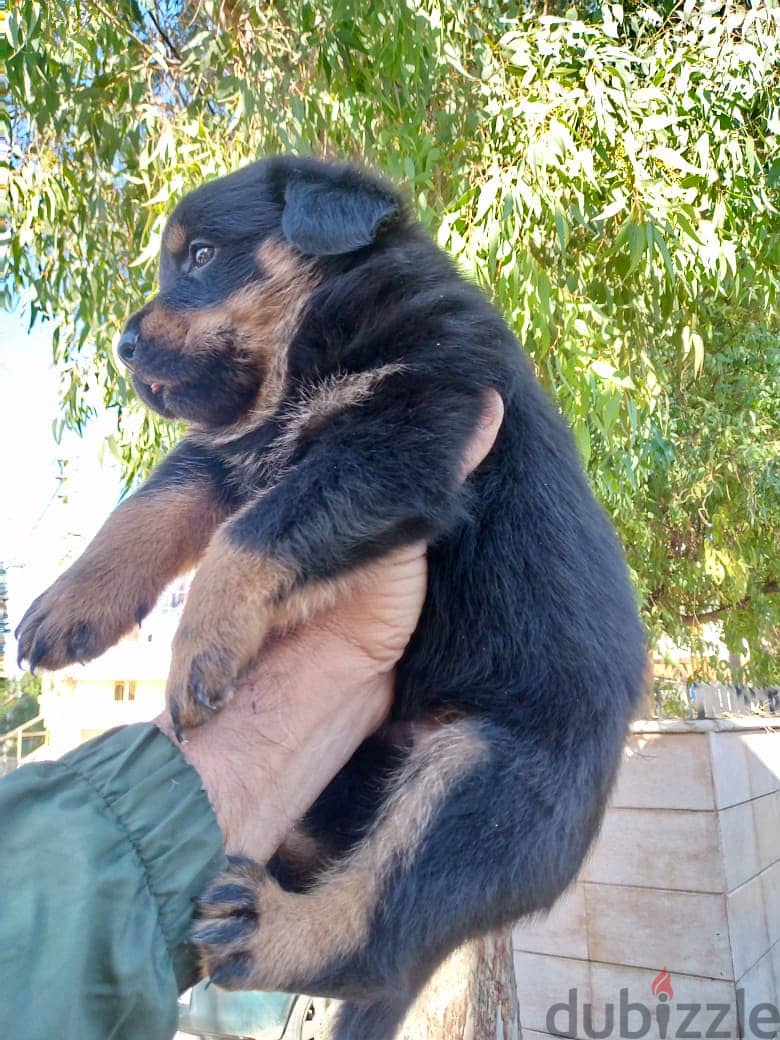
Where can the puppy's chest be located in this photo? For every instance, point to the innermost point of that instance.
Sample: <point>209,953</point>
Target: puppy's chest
<point>250,468</point>
<point>259,459</point>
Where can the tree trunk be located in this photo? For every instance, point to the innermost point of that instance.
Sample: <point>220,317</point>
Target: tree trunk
<point>472,996</point>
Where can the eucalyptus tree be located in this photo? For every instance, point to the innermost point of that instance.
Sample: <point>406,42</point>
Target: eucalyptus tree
<point>609,173</point>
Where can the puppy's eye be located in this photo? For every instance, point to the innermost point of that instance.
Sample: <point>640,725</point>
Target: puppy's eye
<point>200,254</point>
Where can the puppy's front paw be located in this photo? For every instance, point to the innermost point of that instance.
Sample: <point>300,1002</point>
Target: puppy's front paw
<point>72,621</point>
<point>227,616</point>
<point>202,678</point>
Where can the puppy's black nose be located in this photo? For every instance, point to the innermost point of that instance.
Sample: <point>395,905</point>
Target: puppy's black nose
<point>126,346</point>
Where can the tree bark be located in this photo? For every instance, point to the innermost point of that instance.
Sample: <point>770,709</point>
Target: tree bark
<point>473,996</point>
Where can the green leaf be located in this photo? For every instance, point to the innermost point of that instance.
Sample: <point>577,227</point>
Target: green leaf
<point>682,221</point>
<point>661,245</point>
<point>669,157</point>
<point>562,227</point>
<point>582,438</point>
<point>612,209</point>
<point>637,244</point>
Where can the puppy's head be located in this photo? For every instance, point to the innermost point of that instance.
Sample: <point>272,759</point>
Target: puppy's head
<point>240,258</point>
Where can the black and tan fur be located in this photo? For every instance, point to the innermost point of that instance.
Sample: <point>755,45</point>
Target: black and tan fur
<point>332,364</point>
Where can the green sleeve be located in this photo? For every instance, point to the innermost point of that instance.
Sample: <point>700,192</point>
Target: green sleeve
<point>101,853</point>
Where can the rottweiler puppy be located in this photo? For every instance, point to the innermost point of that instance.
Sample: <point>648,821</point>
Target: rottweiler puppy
<point>331,364</point>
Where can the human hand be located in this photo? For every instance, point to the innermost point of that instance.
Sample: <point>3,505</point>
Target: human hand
<point>317,693</point>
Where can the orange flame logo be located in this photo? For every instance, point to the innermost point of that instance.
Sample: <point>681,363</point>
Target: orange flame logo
<point>662,984</point>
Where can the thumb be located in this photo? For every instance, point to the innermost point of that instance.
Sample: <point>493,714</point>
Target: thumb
<point>485,434</point>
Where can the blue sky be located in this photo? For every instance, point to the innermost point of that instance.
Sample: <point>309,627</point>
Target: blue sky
<point>37,527</point>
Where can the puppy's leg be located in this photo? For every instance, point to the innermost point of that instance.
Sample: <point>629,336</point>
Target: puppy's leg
<point>379,1019</point>
<point>376,477</point>
<point>156,534</point>
<point>253,934</point>
<point>481,828</point>
<point>235,599</point>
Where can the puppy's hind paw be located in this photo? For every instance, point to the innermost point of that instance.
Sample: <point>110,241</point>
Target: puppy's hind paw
<point>227,925</point>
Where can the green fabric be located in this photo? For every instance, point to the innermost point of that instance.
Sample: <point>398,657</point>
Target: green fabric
<point>101,853</point>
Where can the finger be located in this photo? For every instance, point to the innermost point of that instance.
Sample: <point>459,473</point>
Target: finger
<point>482,440</point>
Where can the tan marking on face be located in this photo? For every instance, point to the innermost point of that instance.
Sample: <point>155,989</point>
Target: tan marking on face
<point>263,318</point>
<point>175,236</point>
<point>258,321</point>
<point>299,935</point>
<point>334,394</point>
<point>164,326</point>
<point>289,281</point>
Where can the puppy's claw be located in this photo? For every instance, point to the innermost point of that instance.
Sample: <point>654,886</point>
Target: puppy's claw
<point>232,970</point>
<point>203,685</point>
<point>227,922</point>
<point>203,698</point>
<point>81,642</point>
<point>176,720</point>
<point>39,650</point>
<point>223,933</point>
<point>238,897</point>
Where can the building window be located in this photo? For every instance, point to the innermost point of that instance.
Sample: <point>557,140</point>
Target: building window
<point>124,691</point>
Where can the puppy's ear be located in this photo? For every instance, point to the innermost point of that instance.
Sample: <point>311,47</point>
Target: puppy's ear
<point>325,218</point>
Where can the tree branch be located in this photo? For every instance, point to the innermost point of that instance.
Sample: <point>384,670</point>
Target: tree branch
<point>119,24</point>
<point>172,49</point>
<point>770,588</point>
